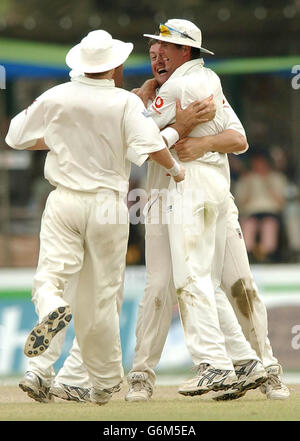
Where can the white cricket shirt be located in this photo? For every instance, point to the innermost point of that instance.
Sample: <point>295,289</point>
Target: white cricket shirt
<point>190,82</point>
<point>88,126</point>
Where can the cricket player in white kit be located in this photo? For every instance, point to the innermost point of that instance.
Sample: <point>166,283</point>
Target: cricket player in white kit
<point>88,125</point>
<point>153,323</point>
<point>197,243</point>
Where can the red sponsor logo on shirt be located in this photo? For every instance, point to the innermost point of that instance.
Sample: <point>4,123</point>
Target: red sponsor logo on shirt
<point>159,102</point>
<point>225,104</point>
<point>155,110</point>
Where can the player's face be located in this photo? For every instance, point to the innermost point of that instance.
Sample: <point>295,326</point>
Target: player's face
<point>158,65</point>
<point>165,59</point>
<point>173,56</point>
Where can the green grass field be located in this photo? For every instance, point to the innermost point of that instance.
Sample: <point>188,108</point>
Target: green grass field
<point>166,405</point>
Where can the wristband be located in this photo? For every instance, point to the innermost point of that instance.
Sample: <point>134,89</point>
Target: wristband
<point>175,170</point>
<point>171,136</point>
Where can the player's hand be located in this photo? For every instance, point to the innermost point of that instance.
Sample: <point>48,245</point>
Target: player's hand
<point>208,109</point>
<point>181,175</point>
<point>189,149</point>
<point>147,91</point>
<point>39,145</point>
<point>197,112</point>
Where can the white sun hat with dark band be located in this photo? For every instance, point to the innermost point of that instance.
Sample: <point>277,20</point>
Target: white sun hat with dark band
<point>98,52</point>
<point>181,32</point>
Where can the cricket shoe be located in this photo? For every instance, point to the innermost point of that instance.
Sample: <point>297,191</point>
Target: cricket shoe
<point>102,396</point>
<point>33,385</point>
<point>70,393</point>
<point>250,376</point>
<point>75,393</point>
<point>207,379</point>
<point>40,337</point>
<point>273,387</point>
<point>139,387</point>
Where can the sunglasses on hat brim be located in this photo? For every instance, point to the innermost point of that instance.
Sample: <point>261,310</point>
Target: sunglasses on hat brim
<point>166,30</point>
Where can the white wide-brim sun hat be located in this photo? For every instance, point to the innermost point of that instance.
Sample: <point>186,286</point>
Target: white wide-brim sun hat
<point>181,32</point>
<point>98,52</point>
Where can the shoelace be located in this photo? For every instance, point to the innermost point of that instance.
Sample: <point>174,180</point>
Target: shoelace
<point>137,386</point>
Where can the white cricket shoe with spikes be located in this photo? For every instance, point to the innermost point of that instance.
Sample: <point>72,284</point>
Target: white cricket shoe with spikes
<point>274,387</point>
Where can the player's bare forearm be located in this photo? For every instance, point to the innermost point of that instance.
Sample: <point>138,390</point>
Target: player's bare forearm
<point>39,145</point>
<point>164,158</point>
<point>229,141</point>
<point>195,113</point>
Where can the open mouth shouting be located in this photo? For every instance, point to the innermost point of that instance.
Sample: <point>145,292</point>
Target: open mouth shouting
<point>162,73</point>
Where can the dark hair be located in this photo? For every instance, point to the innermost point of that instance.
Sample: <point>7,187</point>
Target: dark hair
<point>151,42</point>
<point>195,53</point>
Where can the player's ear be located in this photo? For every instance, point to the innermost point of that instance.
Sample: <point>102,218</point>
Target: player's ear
<point>186,50</point>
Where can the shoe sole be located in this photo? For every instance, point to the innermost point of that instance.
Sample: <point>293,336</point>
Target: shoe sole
<point>100,403</point>
<point>68,396</point>
<point>32,393</point>
<point>278,398</point>
<point>137,399</point>
<point>215,388</point>
<point>40,337</point>
<point>255,383</point>
<point>242,391</point>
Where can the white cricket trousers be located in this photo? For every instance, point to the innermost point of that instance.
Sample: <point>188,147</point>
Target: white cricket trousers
<point>238,283</point>
<point>73,372</point>
<point>73,234</point>
<point>156,306</point>
<point>197,230</point>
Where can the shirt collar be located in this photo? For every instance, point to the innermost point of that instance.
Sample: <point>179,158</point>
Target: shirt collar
<point>185,67</point>
<point>92,82</point>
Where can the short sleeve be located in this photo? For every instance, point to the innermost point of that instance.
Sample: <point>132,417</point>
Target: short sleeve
<point>27,127</point>
<point>141,134</point>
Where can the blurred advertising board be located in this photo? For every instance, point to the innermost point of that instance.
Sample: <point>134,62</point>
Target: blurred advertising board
<point>279,286</point>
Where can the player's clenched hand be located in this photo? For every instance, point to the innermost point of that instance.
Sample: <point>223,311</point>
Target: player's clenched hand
<point>208,109</point>
<point>189,149</point>
<point>180,177</point>
<point>147,91</point>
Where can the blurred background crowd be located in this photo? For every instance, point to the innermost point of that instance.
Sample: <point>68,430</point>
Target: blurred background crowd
<point>257,58</point>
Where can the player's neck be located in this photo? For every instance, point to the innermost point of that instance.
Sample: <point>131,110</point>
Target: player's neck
<point>108,75</point>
